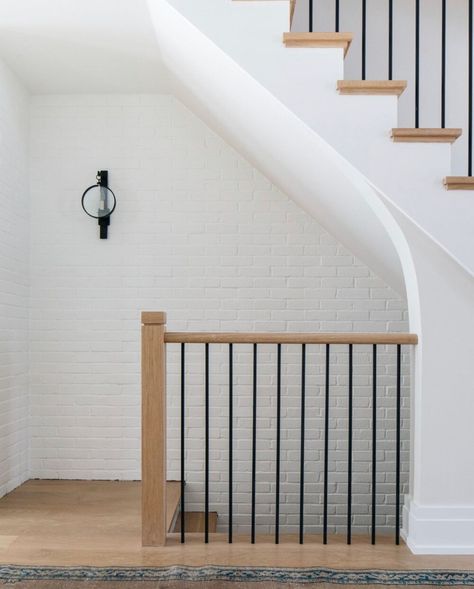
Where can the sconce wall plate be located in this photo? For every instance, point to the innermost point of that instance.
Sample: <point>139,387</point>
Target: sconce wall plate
<point>99,202</point>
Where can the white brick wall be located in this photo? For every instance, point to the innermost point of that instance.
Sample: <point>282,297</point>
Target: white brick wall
<point>201,234</point>
<point>14,255</point>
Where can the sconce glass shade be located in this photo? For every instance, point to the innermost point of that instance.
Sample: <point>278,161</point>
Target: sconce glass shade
<point>98,201</point>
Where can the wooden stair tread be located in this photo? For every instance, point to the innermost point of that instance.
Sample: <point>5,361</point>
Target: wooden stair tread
<point>372,87</point>
<point>321,40</point>
<point>195,521</point>
<point>459,182</point>
<point>173,496</point>
<point>425,135</point>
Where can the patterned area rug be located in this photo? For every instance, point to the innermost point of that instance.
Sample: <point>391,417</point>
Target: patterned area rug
<point>216,577</point>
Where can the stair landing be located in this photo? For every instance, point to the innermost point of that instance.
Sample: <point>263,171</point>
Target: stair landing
<point>98,523</point>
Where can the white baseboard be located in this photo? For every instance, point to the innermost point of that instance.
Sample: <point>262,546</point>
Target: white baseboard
<point>438,529</point>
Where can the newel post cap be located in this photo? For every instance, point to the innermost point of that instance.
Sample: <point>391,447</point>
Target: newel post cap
<point>153,318</point>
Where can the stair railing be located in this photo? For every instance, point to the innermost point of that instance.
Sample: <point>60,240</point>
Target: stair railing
<point>312,25</point>
<point>155,338</point>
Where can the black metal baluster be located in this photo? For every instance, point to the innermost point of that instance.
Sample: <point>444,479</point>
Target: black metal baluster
<point>183,409</point>
<point>326,450</point>
<point>399,408</point>
<point>417,64</point>
<point>390,39</point>
<point>470,126</point>
<point>278,448</point>
<point>254,441</point>
<point>349,451</point>
<point>337,16</point>
<point>302,428</point>
<point>231,439</point>
<point>374,439</point>
<point>364,37</point>
<point>206,484</point>
<point>310,5</point>
<point>443,64</point>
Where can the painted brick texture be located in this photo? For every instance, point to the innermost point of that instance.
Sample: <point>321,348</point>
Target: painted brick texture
<point>200,234</point>
<point>14,261</point>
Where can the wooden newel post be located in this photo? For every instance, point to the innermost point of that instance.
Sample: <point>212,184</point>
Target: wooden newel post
<point>153,429</point>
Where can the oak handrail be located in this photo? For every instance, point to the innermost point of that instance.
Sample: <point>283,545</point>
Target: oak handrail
<point>288,338</point>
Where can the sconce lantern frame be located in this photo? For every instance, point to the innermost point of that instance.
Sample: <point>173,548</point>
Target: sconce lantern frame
<point>99,202</point>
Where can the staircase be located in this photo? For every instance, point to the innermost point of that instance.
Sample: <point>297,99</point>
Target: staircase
<point>193,520</point>
<point>335,147</point>
<point>195,523</point>
<point>302,71</point>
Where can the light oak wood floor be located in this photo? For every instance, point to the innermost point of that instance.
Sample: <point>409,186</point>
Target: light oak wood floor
<point>98,524</point>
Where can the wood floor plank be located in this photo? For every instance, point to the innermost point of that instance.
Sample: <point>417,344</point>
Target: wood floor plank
<point>97,523</point>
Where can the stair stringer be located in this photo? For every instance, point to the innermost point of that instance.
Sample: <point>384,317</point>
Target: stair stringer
<point>358,127</point>
<point>277,142</point>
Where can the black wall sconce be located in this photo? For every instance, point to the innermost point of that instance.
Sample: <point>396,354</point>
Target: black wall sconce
<point>99,202</point>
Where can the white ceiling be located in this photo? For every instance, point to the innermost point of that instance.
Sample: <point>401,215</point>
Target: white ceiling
<point>87,46</point>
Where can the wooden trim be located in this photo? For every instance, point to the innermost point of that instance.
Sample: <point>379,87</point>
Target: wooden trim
<point>321,40</point>
<point>425,135</point>
<point>290,338</point>
<point>154,519</point>
<point>372,87</point>
<point>459,182</point>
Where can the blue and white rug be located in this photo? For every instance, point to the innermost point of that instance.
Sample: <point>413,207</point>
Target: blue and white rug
<point>185,576</point>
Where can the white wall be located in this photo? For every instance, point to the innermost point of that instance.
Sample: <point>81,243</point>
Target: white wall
<point>14,260</point>
<point>404,56</point>
<point>65,46</point>
<point>202,235</point>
